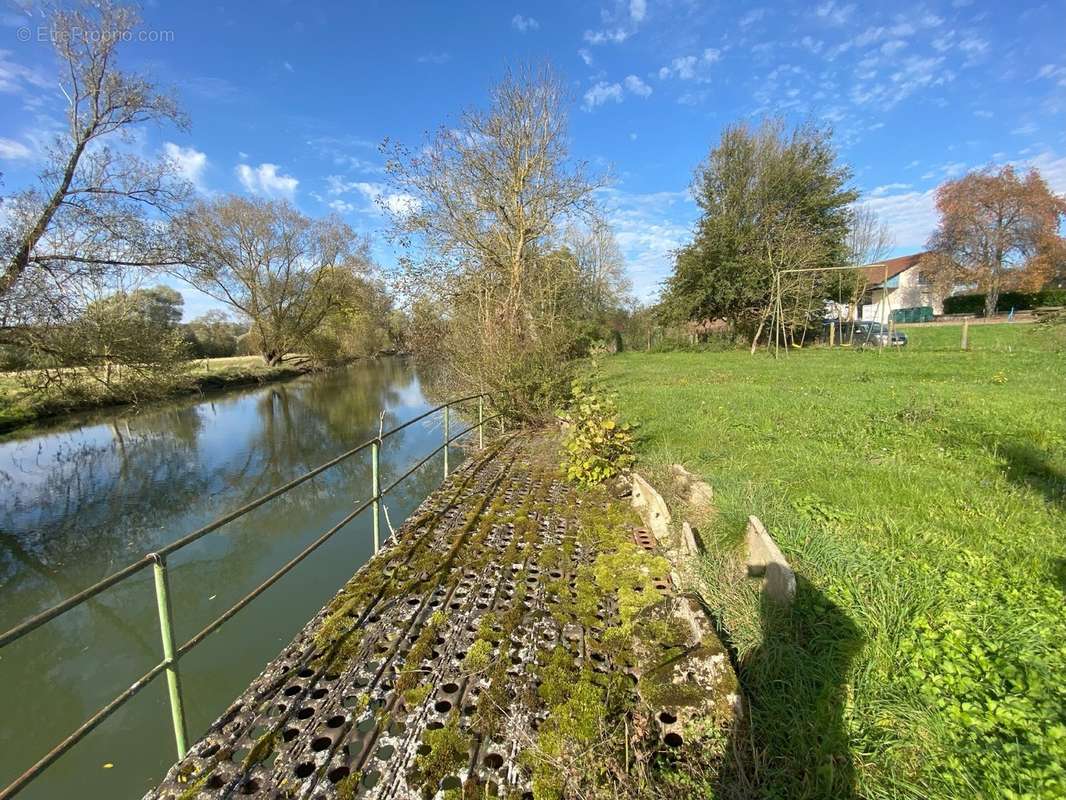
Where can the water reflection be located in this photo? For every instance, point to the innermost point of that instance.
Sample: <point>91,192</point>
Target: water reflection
<point>79,502</point>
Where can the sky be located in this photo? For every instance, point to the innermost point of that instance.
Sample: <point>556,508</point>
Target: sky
<point>293,99</point>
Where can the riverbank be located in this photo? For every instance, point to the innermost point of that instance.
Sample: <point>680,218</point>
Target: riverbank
<point>20,409</point>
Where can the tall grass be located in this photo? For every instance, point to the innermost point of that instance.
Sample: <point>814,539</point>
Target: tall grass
<point>921,496</point>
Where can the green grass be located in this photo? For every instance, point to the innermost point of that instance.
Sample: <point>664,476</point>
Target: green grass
<point>20,407</point>
<point>921,497</point>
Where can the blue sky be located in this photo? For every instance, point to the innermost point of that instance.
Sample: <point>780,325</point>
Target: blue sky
<point>292,99</point>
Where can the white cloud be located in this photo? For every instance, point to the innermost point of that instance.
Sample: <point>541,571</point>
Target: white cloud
<point>1053,72</point>
<point>638,9</point>
<point>1028,129</point>
<point>399,203</point>
<point>752,17</point>
<point>637,86</point>
<point>434,58</point>
<point>341,206</point>
<point>287,65</point>
<point>611,36</point>
<point>188,161</point>
<point>601,93</point>
<point>881,191</point>
<point>266,180</point>
<point>586,56</point>
<point>835,13</point>
<point>10,149</point>
<point>1051,168</point>
<point>909,216</point>
<point>649,227</point>
<point>524,24</point>
<point>687,68</point>
<point>15,77</point>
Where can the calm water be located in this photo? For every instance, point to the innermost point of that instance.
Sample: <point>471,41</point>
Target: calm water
<point>79,501</point>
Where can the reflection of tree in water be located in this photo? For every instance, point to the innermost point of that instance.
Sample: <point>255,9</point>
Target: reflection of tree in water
<point>74,507</point>
<point>104,502</point>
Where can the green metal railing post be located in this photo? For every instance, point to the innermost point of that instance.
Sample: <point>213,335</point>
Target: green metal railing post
<point>375,479</point>
<point>481,422</point>
<point>162,597</point>
<point>446,441</point>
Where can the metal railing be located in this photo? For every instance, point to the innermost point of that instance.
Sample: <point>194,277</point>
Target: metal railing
<point>158,562</point>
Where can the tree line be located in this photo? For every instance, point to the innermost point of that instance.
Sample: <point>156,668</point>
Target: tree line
<point>101,220</point>
<point>781,229</point>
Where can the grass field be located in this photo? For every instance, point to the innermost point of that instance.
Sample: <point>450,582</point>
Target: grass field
<point>19,407</point>
<point>921,497</point>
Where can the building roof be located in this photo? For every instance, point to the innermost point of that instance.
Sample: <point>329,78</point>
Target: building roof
<point>875,273</point>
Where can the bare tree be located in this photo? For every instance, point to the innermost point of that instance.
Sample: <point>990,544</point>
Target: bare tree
<point>485,198</point>
<point>482,207</point>
<point>270,263</point>
<point>96,208</point>
<point>600,265</point>
<point>869,239</point>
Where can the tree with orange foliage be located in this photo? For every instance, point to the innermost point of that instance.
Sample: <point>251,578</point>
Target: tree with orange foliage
<point>996,226</point>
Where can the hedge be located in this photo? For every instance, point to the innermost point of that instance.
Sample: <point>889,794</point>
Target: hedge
<point>1019,301</point>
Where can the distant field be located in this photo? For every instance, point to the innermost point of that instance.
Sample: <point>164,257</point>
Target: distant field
<point>19,407</point>
<point>921,496</point>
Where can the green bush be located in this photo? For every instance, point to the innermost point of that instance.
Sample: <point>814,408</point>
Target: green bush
<point>1019,301</point>
<point>598,446</point>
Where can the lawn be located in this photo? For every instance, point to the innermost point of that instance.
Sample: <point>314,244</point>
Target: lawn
<point>921,497</point>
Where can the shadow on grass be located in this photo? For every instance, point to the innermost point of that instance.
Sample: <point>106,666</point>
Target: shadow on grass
<point>793,743</point>
<point>1030,467</point>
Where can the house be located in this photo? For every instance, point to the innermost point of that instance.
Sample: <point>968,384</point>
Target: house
<point>895,284</point>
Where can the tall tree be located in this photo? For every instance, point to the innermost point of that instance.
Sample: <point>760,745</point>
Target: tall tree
<point>771,201</point>
<point>482,206</point>
<point>95,207</point>
<point>270,263</point>
<point>995,222</point>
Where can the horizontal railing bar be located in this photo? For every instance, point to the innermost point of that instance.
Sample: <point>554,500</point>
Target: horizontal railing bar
<point>37,621</point>
<point>425,460</point>
<point>226,616</point>
<point>87,727</point>
<point>432,411</point>
<point>88,593</point>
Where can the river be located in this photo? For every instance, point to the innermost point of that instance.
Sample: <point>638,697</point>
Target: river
<point>93,493</point>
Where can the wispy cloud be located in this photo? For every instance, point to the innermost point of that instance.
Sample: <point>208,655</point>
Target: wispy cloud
<point>434,58</point>
<point>752,17</point>
<point>638,9</point>
<point>835,13</point>
<point>612,36</point>
<point>12,150</point>
<point>15,77</point>
<point>688,68</point>
<point>649,227</point>
<point>266,180</point>
<point>602,92</point>
<point>524,24</point>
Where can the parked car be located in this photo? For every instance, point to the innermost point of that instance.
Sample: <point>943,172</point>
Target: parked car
<point>866,333</point>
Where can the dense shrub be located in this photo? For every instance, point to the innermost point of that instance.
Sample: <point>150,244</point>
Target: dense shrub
<point>598,446</point>
<point>1019,301</point>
